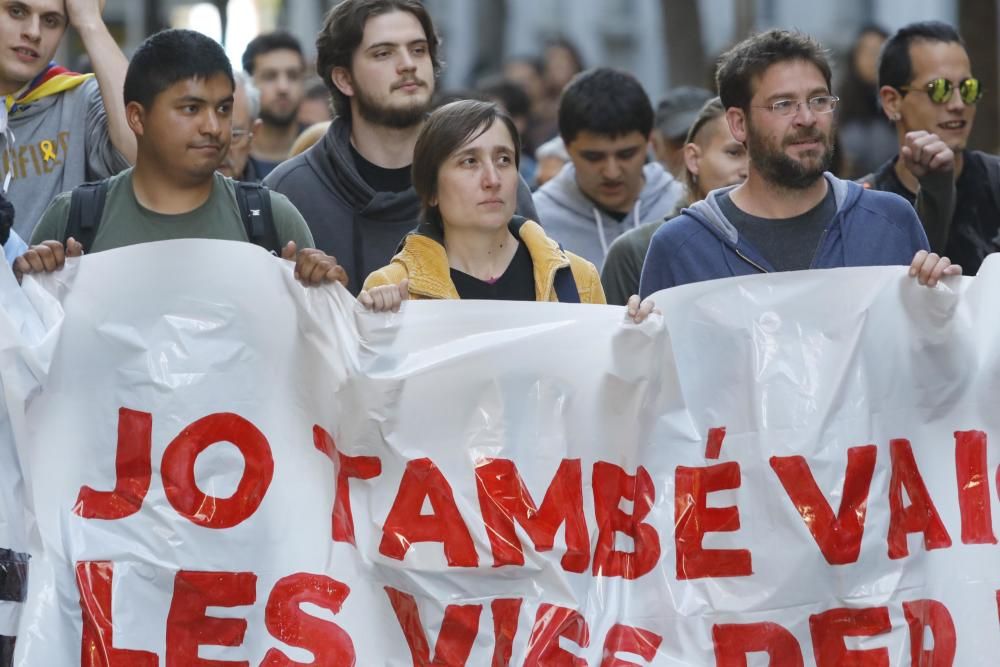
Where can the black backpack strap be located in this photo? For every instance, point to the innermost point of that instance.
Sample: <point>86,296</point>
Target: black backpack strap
<point>86,207</point>
<point>254,201</point>
<point>565,284</point>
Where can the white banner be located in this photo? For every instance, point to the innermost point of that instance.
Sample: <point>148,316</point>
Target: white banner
<point>224,468</point>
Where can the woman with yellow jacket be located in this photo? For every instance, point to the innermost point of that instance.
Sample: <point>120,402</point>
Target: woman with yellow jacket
<point>470,245</point>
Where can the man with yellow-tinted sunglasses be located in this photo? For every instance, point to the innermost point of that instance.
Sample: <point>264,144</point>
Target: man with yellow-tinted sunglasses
<point>928,90</point>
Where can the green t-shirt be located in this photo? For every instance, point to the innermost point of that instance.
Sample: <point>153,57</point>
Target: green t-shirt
<point>126,222</point>
<point>623,263</point>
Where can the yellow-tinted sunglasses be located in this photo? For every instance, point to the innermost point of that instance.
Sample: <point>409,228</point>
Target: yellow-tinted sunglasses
<point>940,90</point>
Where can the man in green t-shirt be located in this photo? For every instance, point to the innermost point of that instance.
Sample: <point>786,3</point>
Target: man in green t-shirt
<point>178,102</point>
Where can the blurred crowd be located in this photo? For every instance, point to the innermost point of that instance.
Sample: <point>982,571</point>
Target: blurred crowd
<point>320,157</point>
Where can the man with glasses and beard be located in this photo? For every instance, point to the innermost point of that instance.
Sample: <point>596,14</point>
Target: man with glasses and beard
<point>379,58</point>
<point>929,93</point>
<point>790,213</point>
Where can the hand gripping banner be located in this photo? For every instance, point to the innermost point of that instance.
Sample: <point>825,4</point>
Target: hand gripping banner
<point>211,465</point>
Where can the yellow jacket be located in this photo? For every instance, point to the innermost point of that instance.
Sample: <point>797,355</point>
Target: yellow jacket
<point>424,262</point>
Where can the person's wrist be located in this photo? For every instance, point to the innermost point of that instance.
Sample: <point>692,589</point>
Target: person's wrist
<point>937,178</point>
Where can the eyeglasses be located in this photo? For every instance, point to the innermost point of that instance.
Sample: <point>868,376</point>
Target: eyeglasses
<point>940,89</point>
<point>819,104</point>
<point>239,135</point>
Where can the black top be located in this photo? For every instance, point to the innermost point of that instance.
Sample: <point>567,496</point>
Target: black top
<point>789,244</point>
<point>516,284</point>
<point>260,168</point>
<point>379,178</point>
<point>974,228</point>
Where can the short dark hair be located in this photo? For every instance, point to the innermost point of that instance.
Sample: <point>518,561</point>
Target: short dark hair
<point>604,101</point>
<point>343,30</point>
<point>170,56</point>
<point>748,60</point>
<point>279,40</point>
<point>894,65</point>
<point>447,129</point>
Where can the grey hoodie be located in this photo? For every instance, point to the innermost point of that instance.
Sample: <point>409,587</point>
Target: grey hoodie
<point>60,141</point>
<point>575,221</point>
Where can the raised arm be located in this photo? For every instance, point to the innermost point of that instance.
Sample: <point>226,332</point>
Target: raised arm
<point>930,159</point>
<point>109,65</point>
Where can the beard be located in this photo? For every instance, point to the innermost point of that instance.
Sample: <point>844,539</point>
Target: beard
<point>396,117</point>
<point>778,168</point>
<point>278,120</point>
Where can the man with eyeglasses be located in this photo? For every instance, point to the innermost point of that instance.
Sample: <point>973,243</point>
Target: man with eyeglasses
<point>790,213</point>
<point>246,122</point>
<point>929,93</point>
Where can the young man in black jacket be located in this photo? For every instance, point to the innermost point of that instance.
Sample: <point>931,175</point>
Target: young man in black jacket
<point>379,58</point>
<point>929,92</point>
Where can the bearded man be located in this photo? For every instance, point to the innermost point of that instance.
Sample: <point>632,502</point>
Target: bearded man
<point>379,59</point>
<point>277,65</point>
<point>791,213</point>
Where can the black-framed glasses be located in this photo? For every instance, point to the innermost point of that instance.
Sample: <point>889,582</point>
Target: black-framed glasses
<point>940,90</point>
<point>818,104</point>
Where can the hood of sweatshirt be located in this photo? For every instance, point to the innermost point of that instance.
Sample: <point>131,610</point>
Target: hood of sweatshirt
<point>709,213</point>
<point>575,220</point>
<point>332,160</point>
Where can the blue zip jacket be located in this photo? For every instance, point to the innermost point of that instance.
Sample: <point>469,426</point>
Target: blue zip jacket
<point>870,228</point>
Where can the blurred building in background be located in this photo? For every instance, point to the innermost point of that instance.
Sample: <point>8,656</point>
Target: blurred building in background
<point>665,43</point>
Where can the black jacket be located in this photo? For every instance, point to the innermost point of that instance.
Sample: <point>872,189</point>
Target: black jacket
<point>960,217</point>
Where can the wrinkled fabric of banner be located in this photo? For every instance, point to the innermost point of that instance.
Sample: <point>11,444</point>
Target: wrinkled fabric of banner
<point>210,464</point>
